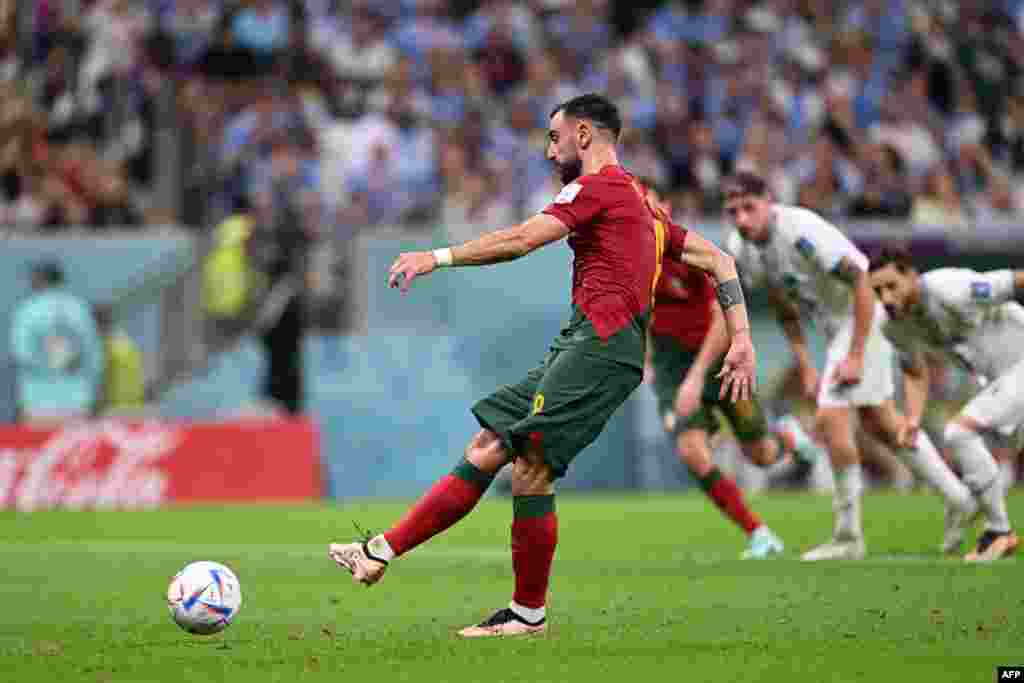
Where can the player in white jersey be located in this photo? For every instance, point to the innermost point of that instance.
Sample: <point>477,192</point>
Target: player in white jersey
<point>813,271</point>
<point>970,319</point>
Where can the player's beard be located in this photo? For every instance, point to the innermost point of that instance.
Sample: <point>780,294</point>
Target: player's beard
<point>571,170</point>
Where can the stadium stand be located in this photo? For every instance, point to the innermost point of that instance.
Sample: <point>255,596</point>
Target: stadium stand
<point>342,122</point>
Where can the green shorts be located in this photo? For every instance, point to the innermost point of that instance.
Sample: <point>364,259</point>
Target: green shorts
<point>671,363</point>
<point>561,406</point>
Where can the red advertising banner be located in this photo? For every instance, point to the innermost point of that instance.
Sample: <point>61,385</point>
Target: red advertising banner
<point>142,464</point>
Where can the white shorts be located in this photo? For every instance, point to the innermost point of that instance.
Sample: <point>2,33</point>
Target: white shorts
<point>876,385</point>
<point>1000,405</point>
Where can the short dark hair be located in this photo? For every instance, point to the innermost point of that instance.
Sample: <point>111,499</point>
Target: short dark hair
<point>104,315</point>
<point>596,108</point>
<point>892,256</point>
<point>49,272</point>
<point>744,183</point>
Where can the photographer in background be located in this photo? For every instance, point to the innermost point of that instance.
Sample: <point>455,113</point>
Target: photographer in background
<point>57,350</point>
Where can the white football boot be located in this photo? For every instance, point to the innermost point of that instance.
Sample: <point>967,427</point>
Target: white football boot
<point>355,557</point>
<point>837,549</point>
<point>504,622</point>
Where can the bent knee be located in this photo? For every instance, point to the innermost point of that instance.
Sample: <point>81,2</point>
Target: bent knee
<point>694,452</point>
<point>532,477</point>
<point>761,452</point>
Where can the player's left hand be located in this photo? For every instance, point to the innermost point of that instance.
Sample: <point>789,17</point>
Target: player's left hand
<point>849,371</point>
<point>408,266</point>
<point>739,369</point>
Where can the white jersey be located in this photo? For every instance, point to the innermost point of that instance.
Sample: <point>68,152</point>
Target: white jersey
<point>968,317</point>
<point>800,257</point>
<point>748,260</point>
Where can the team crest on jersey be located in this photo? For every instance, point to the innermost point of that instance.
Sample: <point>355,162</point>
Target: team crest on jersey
<point>805,247</point>
<point>981,291</point>
<point>568,193</point>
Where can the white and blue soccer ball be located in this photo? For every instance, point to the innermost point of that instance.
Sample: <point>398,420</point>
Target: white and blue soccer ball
<point>204,597</point>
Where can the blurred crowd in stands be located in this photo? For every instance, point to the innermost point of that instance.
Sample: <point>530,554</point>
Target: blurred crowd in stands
<point>359,112</point>
<point>301,122</point>
<point>75,115</point>
<point>391,112</point>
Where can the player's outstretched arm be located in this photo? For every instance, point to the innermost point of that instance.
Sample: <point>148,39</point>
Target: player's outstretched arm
<point>739,367</point>
<point>703,254</point>
<point>492,247</point>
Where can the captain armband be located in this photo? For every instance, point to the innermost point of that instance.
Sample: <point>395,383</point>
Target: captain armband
<point>729,293</point>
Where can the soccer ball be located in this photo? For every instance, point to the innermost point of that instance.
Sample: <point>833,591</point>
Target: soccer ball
<point>204,597</point>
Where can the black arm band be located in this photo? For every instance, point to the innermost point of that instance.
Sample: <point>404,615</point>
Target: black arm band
<point>729,293</point>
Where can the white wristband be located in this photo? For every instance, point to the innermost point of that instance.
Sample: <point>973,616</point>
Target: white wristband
<point>443,257</point>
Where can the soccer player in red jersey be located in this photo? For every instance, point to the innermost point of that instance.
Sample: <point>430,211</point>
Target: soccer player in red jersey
<point>687,339</point>
<point>540,424</point>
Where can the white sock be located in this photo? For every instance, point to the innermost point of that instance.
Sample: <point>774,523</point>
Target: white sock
<point>379,547</point>
<point>993,502</point>
<point>927,464</point>
<point>981,474</point>
<point>532,615</point>
<point>804,448</point>
<point>846,502</point>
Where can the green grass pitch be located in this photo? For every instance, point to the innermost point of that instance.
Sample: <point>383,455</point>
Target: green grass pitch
<point>645,588</point>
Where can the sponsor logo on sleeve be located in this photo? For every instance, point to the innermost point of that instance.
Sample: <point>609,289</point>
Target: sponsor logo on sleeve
<point>568,193</point>
<point>981,291</point>
<point>805,247</point>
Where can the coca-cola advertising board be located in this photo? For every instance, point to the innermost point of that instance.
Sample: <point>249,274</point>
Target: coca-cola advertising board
<point>144,464</point>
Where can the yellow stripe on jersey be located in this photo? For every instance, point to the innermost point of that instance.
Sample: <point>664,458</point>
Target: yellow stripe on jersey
<point>659,241</point>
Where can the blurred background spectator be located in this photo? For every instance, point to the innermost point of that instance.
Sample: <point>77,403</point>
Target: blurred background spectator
<point>57,349</point>
<point>124,380</point>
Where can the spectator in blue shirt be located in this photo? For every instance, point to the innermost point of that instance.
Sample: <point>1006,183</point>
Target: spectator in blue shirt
<point>57,350</point>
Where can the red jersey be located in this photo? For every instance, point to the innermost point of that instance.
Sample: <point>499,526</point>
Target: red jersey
<point>617,242</point>
<point>682,304</point>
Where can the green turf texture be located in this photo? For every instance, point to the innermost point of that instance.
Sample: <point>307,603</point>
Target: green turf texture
<point>644,589</point>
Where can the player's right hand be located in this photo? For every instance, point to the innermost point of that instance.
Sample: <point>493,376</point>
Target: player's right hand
<point>810,383</point>
<point>408,266</point>
<point>739,369</point>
